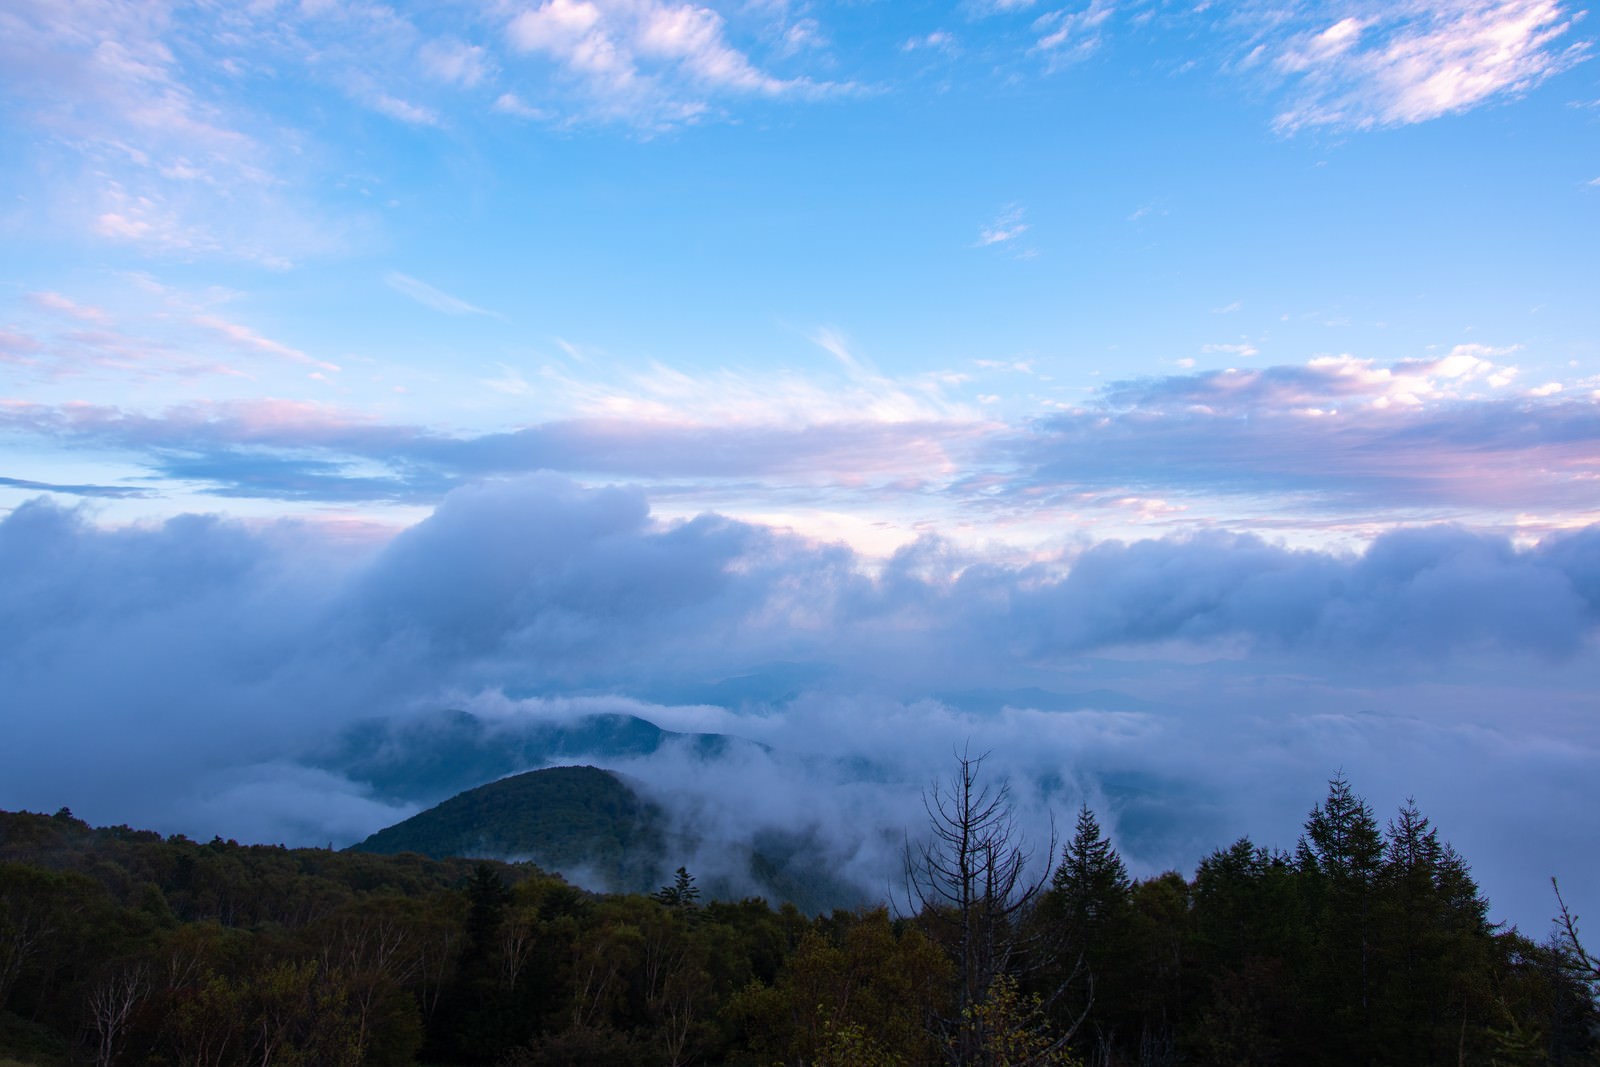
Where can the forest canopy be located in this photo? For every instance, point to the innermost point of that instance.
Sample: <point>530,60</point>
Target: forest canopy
<point>1366,942</point>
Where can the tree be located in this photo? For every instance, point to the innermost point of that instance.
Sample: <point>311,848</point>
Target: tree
<point>682,893</point>
<point>968,882</point>
<point>1088,901</point>
<point>1340,855</point>
<point>1091,885</point>
<point>1579,961</point>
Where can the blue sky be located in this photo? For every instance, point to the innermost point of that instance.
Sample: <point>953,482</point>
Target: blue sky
<point>960,301</point>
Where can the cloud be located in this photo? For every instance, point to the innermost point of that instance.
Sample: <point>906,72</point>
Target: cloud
<point>429,297</point>
<point>249,340</point>
<point>1067,35</point>
<point>512,104</point>
<point>404,110</point>
<point>1420,60</point>
<point>1339,435</point>
<point>1007,227</point>
<point>1242,349</point>
<point>113,492</point>
<point>933,41</point>
<point>655,63</point>
<point>1353,444</point>
<point>455,62</point>
<point>163,159</point>
<point>192,675</point>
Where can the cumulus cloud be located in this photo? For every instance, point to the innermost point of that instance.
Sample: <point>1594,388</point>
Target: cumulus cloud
<point>188,675</point>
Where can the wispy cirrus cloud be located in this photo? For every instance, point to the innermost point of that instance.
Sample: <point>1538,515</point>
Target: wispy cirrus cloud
<point>1007,227</point>
<point>1361,66</point>
<point>113,492</point>
<point>429,297</point>
<point>655,63</point>
<point>1070,34</point>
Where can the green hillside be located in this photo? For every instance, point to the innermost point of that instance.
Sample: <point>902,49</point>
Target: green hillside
<point>561,818</point>
<point>588,824</point>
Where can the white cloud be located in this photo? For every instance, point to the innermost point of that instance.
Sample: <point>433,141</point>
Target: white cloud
<point>249,340</point>
<point>428,296</point>
<point>455,62</point>
<point>404,110</point>
<point>512,104</point>
<point>1068,35</point>
<point>936,41</point>
<point>654,62</point>
<point>1420,60</point>
<point>1007,227</point>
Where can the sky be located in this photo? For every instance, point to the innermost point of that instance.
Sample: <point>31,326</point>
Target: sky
<point>1236,365</point>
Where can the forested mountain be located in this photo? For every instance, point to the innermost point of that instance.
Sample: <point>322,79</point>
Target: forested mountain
<point>593,826</point>
<point>1366,943</point>
<point>561,818</point>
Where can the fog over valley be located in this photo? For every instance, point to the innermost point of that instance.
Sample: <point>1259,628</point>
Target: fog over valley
<point>1179,406</point>
<point>1191,689</point>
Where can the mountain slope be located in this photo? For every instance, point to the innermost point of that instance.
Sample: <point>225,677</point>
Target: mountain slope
<point>589,825</point>
<point>562,818</point>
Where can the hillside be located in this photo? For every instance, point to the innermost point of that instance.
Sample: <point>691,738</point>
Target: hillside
<point>561,818</point>
<point>592,827</point>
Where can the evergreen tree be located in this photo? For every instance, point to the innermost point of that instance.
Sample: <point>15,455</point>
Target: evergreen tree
<point>1091,885</point>
<point>1090,898</point>
<point>1341,840</point>
<point>1430,922</point>
<point>682,893</point>
<point>1340,856</point>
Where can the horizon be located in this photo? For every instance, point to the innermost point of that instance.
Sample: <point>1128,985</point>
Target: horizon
<point>857,379</point>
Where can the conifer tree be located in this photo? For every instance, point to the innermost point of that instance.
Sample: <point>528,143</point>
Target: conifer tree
<point>1091,885</point>
<point>682,893</point>
<point>1090,897</point>
<point>1340,856</point>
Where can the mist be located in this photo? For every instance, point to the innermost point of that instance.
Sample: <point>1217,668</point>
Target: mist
<point>191,676</point>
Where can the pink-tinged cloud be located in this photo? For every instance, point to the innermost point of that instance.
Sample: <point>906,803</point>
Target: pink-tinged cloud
<point>1417,60</point>
<point>57,304</point>
<point>248,340</point>
<point>1333,434</point>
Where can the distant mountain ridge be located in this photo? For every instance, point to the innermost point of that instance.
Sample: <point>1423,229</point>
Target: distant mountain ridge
<point>427,758</point>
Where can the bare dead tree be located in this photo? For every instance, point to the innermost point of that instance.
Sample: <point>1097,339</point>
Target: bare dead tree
<point>968,882</point>
<point>1586,966</point>
<point>112,1003</point>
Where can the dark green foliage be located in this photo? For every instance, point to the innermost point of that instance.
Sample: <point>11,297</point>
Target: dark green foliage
<point>588,820</point>
<point>682,893</point>
<point>1370,946</point>
<point>1089,901</point>
<point>559,818</point>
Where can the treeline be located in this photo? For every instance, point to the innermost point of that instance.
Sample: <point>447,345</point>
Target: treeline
<point>1366,944</point>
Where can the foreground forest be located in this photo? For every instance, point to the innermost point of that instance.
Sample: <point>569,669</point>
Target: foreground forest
<point>1367,944</point>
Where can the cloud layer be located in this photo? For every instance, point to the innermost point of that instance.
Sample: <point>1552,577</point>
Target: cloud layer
<point>186,675</point>
<point>1338,444</point>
